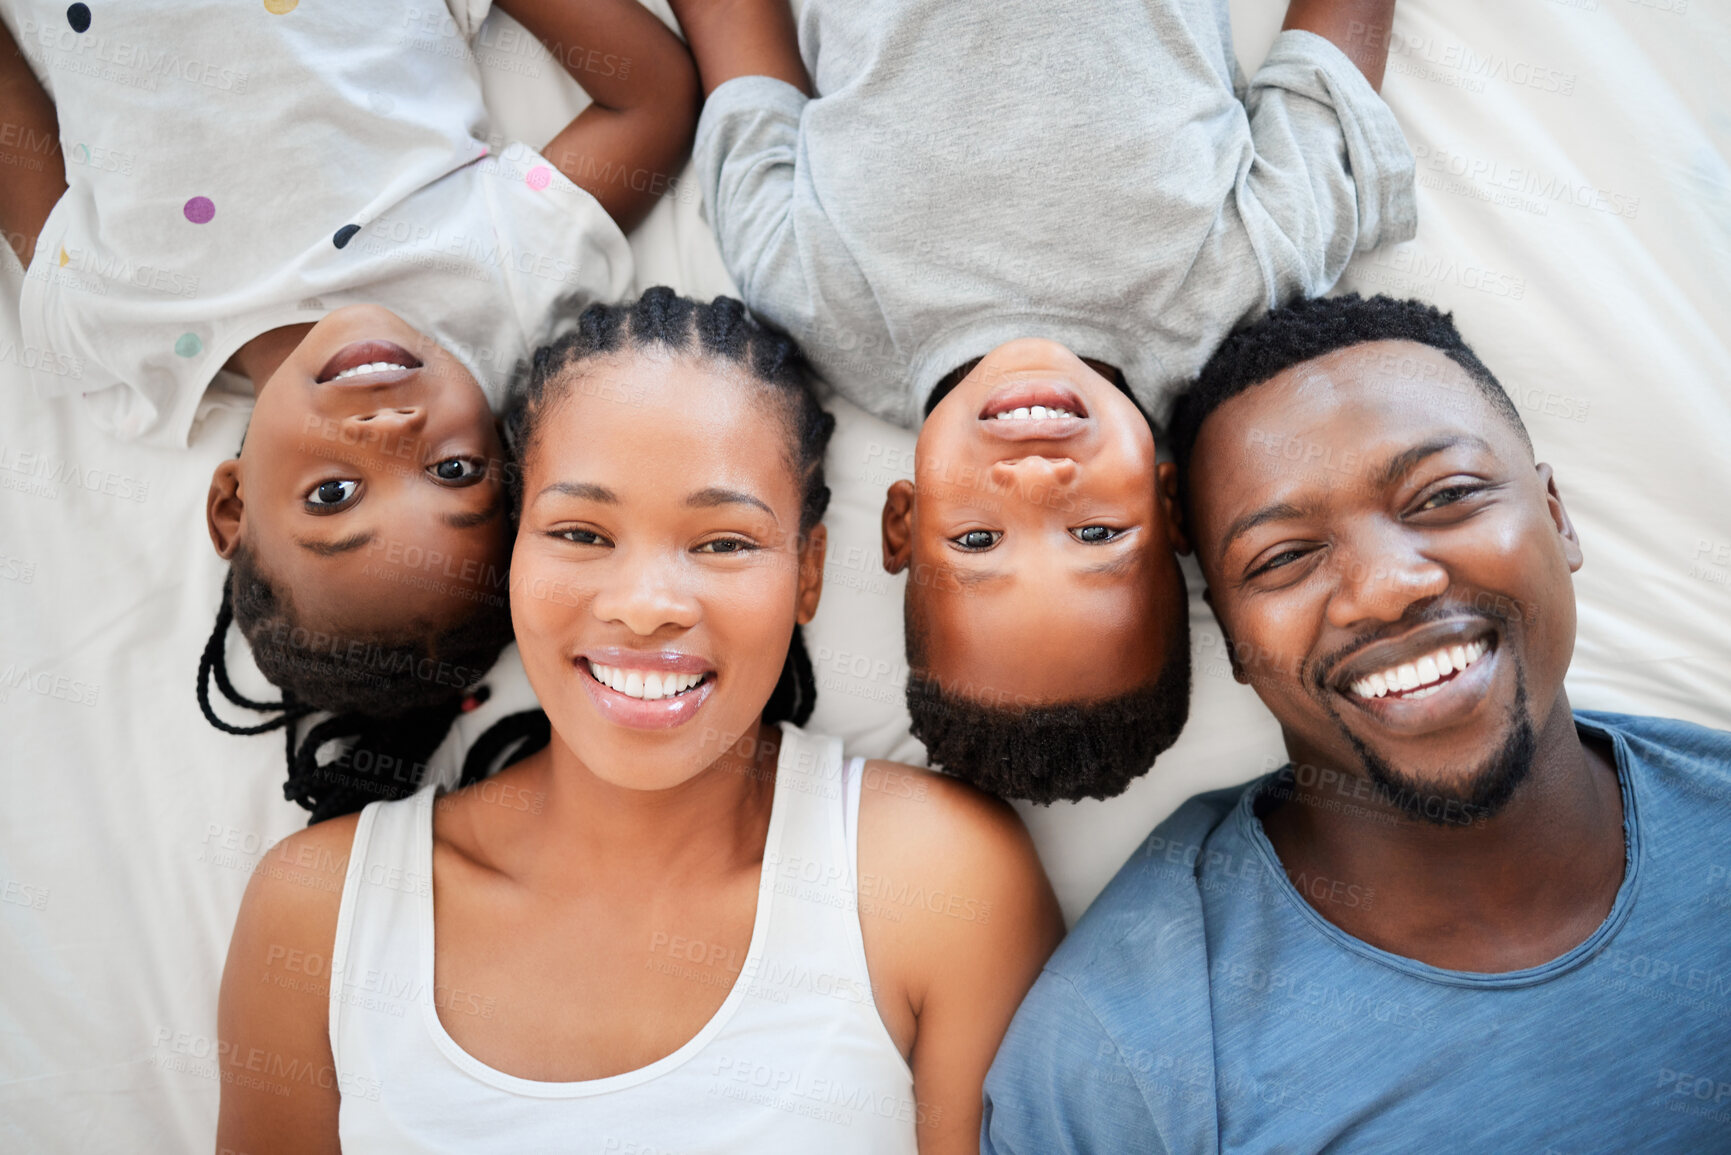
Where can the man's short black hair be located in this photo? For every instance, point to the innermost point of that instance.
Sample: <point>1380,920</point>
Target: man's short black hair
<point>1044,753</point>
<point>1306,330</point>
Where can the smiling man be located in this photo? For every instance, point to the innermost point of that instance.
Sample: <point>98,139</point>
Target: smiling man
<point>1463,915</point>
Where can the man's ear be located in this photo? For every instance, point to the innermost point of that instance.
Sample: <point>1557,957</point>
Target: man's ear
<point>811,557</point>
<point>1166,493</point>
<point>224,511</point>
<point>1560,518</point>
<point>898,525</point>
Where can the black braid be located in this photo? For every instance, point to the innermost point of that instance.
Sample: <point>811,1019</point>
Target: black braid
<point>725,331</point>
<point>392,700</point>
<point>214,661</point>
<point>379,758</point>
<point>523,734</point>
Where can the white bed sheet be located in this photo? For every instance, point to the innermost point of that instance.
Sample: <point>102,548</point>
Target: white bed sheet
<point>1575,208</point>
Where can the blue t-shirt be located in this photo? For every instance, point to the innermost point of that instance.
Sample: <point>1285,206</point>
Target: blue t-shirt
<point>1203,1004</point>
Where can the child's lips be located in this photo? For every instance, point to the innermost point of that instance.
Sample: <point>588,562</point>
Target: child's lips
<point>1034,428</point>
<point>1033,411</point>
<point>357,355</point>
<point>1030,395</point>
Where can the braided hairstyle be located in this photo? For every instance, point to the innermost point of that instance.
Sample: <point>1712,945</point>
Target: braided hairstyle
<point>391,699</point>
<point>721,330</point>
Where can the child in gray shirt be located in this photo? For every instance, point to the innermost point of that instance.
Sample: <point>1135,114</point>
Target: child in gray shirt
<point>991,223</point>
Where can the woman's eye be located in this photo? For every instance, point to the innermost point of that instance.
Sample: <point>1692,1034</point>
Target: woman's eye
<point>459,469</point>
<point>978,539</point>
<point>332,492</point>
<point>725,545</point>
<point>581,537</point>
<point>1094,534</point>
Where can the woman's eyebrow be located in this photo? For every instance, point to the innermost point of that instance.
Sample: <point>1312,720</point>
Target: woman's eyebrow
<point>588,491</point>
<point>715,495</point>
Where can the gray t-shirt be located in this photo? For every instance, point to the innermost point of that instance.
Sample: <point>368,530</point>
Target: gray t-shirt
<point>1203,1003</point>
<point>1100,175</point>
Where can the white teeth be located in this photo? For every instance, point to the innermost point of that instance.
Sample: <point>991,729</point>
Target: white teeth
<point>1414,679</point>
<point>370,367</point>
<point>648,687</point>
<point>1032,413</point>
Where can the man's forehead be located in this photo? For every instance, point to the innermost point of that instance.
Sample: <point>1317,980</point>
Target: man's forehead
<point>1375,397</point>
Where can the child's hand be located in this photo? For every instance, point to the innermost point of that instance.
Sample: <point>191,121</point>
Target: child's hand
<point>29,150</point>
<point>627,147</point>
<point>733,38</point>
<point>1358,28</point>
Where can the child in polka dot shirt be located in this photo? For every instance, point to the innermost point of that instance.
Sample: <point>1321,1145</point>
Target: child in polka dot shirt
<point>304,196</point>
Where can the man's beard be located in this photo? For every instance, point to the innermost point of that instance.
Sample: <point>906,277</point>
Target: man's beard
<point>1482,794</point>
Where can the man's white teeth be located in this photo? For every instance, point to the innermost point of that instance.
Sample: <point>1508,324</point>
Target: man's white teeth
<point>637,684</point>
<point>1032,413</point>
<point>1418,679</point>
<point>369,367</point>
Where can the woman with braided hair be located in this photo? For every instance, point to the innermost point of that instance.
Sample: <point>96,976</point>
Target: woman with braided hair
<point>685,924</point>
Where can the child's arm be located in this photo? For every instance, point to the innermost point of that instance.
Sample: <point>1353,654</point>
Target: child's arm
<point>1358,28</point>
<point>630,143</point>
<point>35,173</point>
<point>732,38</point>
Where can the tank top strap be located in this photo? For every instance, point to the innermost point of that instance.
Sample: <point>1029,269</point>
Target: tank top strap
<point>811,879</point>
<point>380,961</point>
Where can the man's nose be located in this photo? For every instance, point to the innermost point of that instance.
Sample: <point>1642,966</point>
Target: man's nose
<point>1381,579</point>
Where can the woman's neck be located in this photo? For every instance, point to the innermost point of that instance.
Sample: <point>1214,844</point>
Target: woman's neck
<point>593,830</point>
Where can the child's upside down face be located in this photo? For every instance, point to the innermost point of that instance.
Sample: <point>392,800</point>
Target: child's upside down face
<point>1042,564</point>
<point>371,481</point>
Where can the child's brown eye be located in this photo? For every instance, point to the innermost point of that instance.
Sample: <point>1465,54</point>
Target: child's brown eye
<point>977,539</point>
<point>457,469</point>
<point>332,492</point>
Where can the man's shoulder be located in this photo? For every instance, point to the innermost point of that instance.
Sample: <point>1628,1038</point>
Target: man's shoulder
<point>1668,743</point>
<point>1114,1045</point>
<point>1149,917</point>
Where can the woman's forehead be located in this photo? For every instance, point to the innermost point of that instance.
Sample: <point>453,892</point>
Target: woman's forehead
<point>655,421</point>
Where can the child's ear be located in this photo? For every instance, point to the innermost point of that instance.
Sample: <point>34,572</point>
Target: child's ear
<point>223,508</point>
<point>898,526</point>
<point>1166,492</point>
<point>811,557</point>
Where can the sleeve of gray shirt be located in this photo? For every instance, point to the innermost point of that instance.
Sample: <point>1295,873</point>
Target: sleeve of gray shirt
<point>745,157</point>
<point>1330,173</point>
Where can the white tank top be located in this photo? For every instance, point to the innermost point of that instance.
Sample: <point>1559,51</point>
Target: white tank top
<point>797,1059</point>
